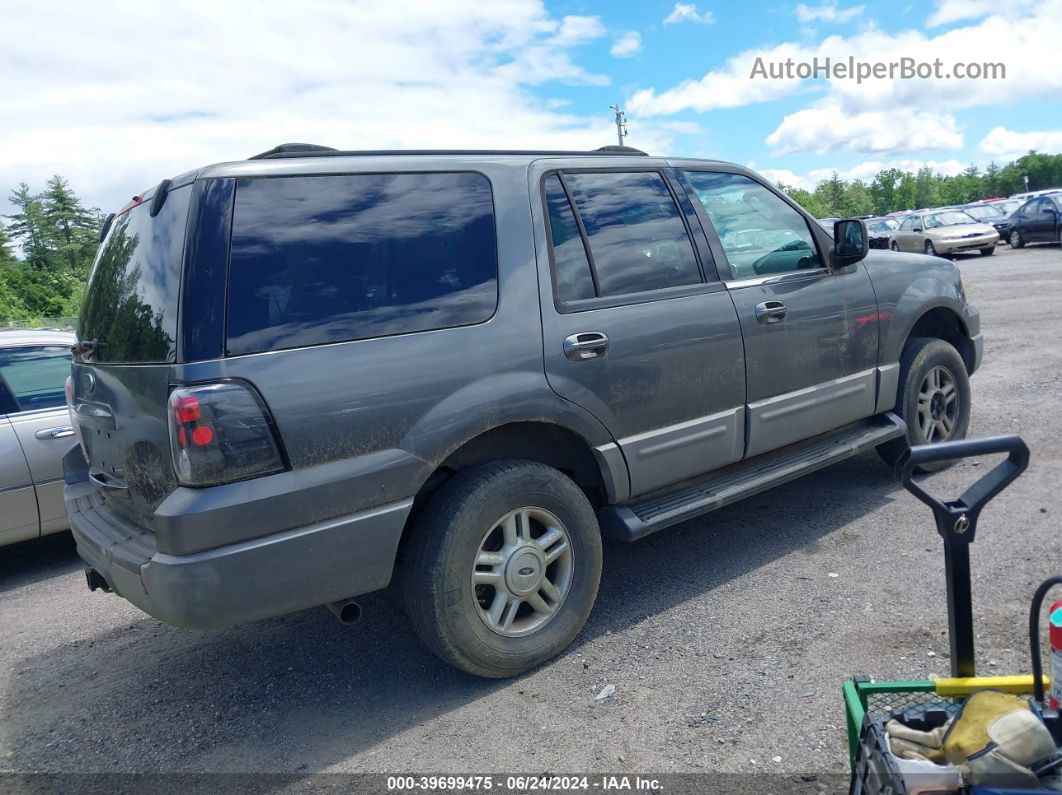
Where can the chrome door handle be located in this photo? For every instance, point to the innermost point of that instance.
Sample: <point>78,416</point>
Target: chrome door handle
<point>585,345</point>
<point>770,311</point>
<point>55,433</point>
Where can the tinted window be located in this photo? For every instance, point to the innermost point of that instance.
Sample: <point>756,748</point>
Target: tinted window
<point>35,376</point>
<point>760,232</point>
<point>636,235</point>
<point>333,258</point>
<point>572,269</point>
<point>131,304</point>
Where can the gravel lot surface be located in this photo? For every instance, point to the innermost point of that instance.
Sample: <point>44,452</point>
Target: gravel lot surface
<point>726,639</point>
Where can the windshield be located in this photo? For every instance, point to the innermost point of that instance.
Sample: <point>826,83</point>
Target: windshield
<point>131,303</point>
<point>981,211</point>
<point>947,218</point>
<point>1006,208</point>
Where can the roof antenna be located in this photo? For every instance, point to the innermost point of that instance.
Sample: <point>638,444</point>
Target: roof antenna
<point>621,123</point>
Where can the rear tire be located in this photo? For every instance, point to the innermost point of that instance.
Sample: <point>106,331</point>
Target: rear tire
<point>933,398</point>
<point>988,252</point>
<point>504,567</point>
<point>1016,240</point>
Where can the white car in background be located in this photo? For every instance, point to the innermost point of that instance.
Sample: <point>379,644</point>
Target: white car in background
<point>35,433</point>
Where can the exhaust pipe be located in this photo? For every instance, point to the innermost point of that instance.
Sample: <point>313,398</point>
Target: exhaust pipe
<point>346,610</point>
<point>95,580</point>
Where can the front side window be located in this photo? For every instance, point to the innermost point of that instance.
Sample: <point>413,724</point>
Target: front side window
<point>35,375</point>
<point>334,258</point>
<point>636,236</point>
<point>761,234</point>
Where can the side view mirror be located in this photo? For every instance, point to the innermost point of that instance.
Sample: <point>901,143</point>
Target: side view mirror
<point>850,242</point>
<point>916,229</point>
<point>1048,210</point>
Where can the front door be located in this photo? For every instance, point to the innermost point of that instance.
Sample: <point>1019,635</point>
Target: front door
<point>811,332</point>
<point>637,327</point>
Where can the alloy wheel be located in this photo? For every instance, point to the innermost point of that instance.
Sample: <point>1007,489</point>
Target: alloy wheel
<point>522,571</point>
<point>938,405</point>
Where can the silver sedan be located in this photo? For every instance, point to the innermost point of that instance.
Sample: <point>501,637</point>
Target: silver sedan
<point>35,432</point>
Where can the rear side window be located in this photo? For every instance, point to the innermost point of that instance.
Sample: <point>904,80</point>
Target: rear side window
<point>131,302</point>
<point>35,375</point>
<point>636,236</point>
<point>334,258</point>
<point>572,268</point>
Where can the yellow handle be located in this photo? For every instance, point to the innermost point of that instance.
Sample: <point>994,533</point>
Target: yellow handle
<point>964,685</point>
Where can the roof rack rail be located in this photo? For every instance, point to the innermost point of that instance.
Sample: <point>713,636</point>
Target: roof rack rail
<point>284,150</point>
<point>313,150</point>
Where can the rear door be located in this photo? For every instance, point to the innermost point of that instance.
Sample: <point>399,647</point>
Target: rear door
<point>637,327</point>
<point>128,326</point>
<point>810,332</point>
<point>35,376</point>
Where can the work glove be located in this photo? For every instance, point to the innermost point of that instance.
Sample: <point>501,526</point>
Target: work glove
<point>996,739</point>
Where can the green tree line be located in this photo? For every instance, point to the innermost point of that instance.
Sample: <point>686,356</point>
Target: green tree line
<point>57,237</point>
<point>893,190</point>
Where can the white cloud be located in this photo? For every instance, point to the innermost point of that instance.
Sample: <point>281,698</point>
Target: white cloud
<point>116,99</point>
<point>827,12</point>
<point>1003,144</point>
<point>783,176</point>
<point>627,44</point>
<point>687,12</point>
<point>826,127</point>
<point>949,11</point>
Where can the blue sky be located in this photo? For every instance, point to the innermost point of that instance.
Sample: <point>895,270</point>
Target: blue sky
<point>119,95</point>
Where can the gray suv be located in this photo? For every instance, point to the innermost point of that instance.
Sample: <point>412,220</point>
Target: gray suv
<point>305,374</point>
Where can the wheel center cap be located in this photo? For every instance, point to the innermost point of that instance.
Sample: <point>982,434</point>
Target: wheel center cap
<point>936,406</point>
<point>524,571</point>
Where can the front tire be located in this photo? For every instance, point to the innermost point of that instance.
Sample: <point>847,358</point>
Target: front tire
<point>933,398</point>
<point>1016,240</point>
<point>504,567</point>
<point>930,249</point>
<point>894,246</point>
<point>988,252</point>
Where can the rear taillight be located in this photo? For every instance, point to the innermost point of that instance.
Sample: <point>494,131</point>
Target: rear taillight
<point>220,433</point>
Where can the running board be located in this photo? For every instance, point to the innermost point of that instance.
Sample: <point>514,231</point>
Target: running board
<point>673,504</point>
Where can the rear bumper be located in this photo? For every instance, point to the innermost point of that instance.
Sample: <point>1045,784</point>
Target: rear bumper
<point>276,574</point>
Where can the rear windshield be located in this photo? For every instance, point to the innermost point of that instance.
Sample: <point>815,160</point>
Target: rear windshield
<point>343,257</point>
<point>131,304</point>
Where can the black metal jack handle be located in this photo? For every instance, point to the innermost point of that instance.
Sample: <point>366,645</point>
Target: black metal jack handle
<point>957,524</point>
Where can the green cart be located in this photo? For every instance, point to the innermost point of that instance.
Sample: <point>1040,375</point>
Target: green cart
<point>869,704</point>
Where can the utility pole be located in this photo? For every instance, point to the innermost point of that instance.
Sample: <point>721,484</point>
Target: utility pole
<point>621,123</point>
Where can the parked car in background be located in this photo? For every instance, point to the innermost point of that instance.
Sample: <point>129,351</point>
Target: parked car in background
<point>827,223</point>
<point>1039,220</point>
<point>1005,206</point>
<point>35,432</point>
<point>880,231</point>
<point>942,232</point>
<point>988,214</point>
